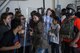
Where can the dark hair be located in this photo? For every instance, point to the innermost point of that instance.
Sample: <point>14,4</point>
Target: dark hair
<point>48,10</point>
<point>77,14</point>
<point>63,11</point>
<point>11,13</point>
<point>39,16</point>
<point>53,15</point>
<point>4,16</point>
<point>33,12</point>
<point>21,16</point>
<point>17,14</point>
<point>57,19</point>
<point>15,23</point>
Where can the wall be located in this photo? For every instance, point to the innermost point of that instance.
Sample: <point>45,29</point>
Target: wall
<point>29,5</point>
<point>63,3</point>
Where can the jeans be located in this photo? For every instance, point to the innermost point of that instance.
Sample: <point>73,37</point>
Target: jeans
<point>41,50</point>
<point>54,48</point>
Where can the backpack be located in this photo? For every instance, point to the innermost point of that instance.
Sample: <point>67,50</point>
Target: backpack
<point>67,28</point>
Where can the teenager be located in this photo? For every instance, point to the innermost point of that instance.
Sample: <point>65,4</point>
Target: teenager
<point>4,24</point>
<point>54,36</point>
<point>11,41</point>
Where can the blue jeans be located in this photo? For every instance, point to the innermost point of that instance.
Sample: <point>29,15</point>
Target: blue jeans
<point>41,50</point>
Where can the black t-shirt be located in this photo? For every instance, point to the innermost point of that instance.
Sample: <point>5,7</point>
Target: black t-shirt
<point>7,41</point>
<point>3,29</point>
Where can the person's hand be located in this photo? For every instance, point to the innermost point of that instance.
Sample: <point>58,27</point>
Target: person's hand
<point>73,44</point>
<point>21,32</point>
<point>52,27</point>
<point>17,45</point>
<point>31,33</point>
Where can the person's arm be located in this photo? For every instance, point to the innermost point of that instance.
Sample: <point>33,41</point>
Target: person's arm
<point>58,28</point>
<point>77,38</point>
<point>77,24</point>
<point>73,43</point>
<point>16,46</point>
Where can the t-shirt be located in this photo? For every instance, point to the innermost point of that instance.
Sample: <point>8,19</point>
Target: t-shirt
<point>54,36</point>
<point>77,28</point>
<point>9,39</point>
<point>77,23</point>
<point>3,29</point>
<point>17,39</point>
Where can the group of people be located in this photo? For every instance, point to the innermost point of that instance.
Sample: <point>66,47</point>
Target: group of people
<point>44,34</point>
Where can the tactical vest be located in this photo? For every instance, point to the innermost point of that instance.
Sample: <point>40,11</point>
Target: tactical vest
<point>67,28</point>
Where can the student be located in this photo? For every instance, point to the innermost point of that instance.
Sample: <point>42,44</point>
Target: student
<point>39,42</point>
<point>47,20</point>
<point>11,15</point>
<point>30,26</point>
<point>54,36</point>
<point>10,41</point>
<point>27,44</point>
<point>31,23</point>
<point>5,20</point>
<point>48,17</point>
<point>22,19</point>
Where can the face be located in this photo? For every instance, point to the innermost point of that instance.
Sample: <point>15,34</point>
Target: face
<point>22,19</point>
<point>8,19</point>
<point>49,13</point>
<point>35,18</point>
<point>20,28</point>
<point>11,17</point>
<point>54,22</point>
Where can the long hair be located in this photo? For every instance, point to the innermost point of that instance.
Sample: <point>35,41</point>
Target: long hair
<point>53,15</point>
<point>48,10</point>
<point>32,23</point>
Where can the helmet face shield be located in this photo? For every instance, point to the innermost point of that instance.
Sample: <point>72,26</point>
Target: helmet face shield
<point>70,12</point>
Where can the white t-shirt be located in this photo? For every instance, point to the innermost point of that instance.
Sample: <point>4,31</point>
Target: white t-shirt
<point>54,36</point>
<point>62,18</point>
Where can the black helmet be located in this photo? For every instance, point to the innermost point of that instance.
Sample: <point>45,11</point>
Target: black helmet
<point>70,11</point>
<point>72,6</point>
